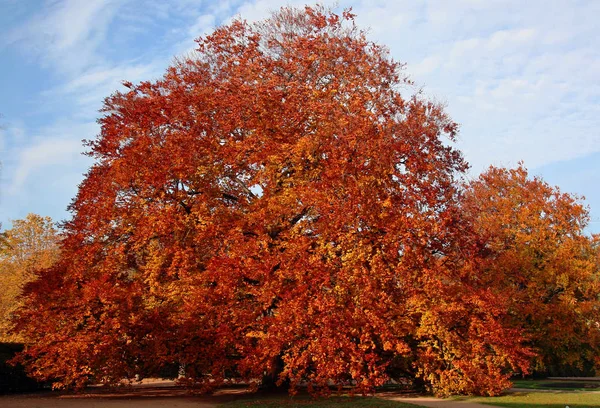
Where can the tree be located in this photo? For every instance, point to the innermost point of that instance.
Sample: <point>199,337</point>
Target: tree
<point>274,205</point>
<point>534,248</point>
<point>31,244</point>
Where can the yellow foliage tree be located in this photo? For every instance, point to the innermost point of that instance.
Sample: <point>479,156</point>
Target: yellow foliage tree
<point>535,250</point>
<point>30,245</point>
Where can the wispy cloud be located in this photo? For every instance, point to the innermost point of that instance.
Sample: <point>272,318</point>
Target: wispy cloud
<point>519,76</point>
<point>49,151</point>
<point>88,90</point>
<point>65,35</point>
<point>40,156</point>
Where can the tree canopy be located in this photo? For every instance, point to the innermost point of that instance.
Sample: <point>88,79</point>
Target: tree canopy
<point>284,203</point>
<point>533,237</point>
<point>30,245</point>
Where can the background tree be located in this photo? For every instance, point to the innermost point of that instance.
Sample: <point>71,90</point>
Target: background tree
<point>535,249</point>
<point>275,204</point>
<point>31,244</point>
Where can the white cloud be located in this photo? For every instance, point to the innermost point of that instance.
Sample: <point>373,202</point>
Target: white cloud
<point>40,156</point>
<point>53,151</point>
<point>203,24</point>
<point>426,66</point>
<point>66,34</point>
<point>520,77</point>
<point>89,89</point>
<point>503,38</point>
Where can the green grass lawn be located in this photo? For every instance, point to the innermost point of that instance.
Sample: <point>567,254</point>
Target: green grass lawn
<point>307,402</point>
<point>571,385</point>
<point>542,399</point>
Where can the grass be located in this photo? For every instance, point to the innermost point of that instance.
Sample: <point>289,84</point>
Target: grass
<point>542,399</point>
<point>570,385</point>
<point>307,402</point>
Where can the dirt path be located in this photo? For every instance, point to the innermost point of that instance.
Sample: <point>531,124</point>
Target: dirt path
<point>437,402</point>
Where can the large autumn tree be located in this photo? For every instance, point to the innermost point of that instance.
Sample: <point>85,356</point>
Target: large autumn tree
<point>280,203</point>
<point>534,248</point>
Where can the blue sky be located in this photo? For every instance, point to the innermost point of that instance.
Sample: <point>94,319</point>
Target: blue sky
<point>522,79</point>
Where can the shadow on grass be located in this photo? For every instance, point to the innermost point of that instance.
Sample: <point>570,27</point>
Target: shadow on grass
<point>130,394</point>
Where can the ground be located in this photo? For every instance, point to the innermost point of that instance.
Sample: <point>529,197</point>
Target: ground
<point>165,394</point>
